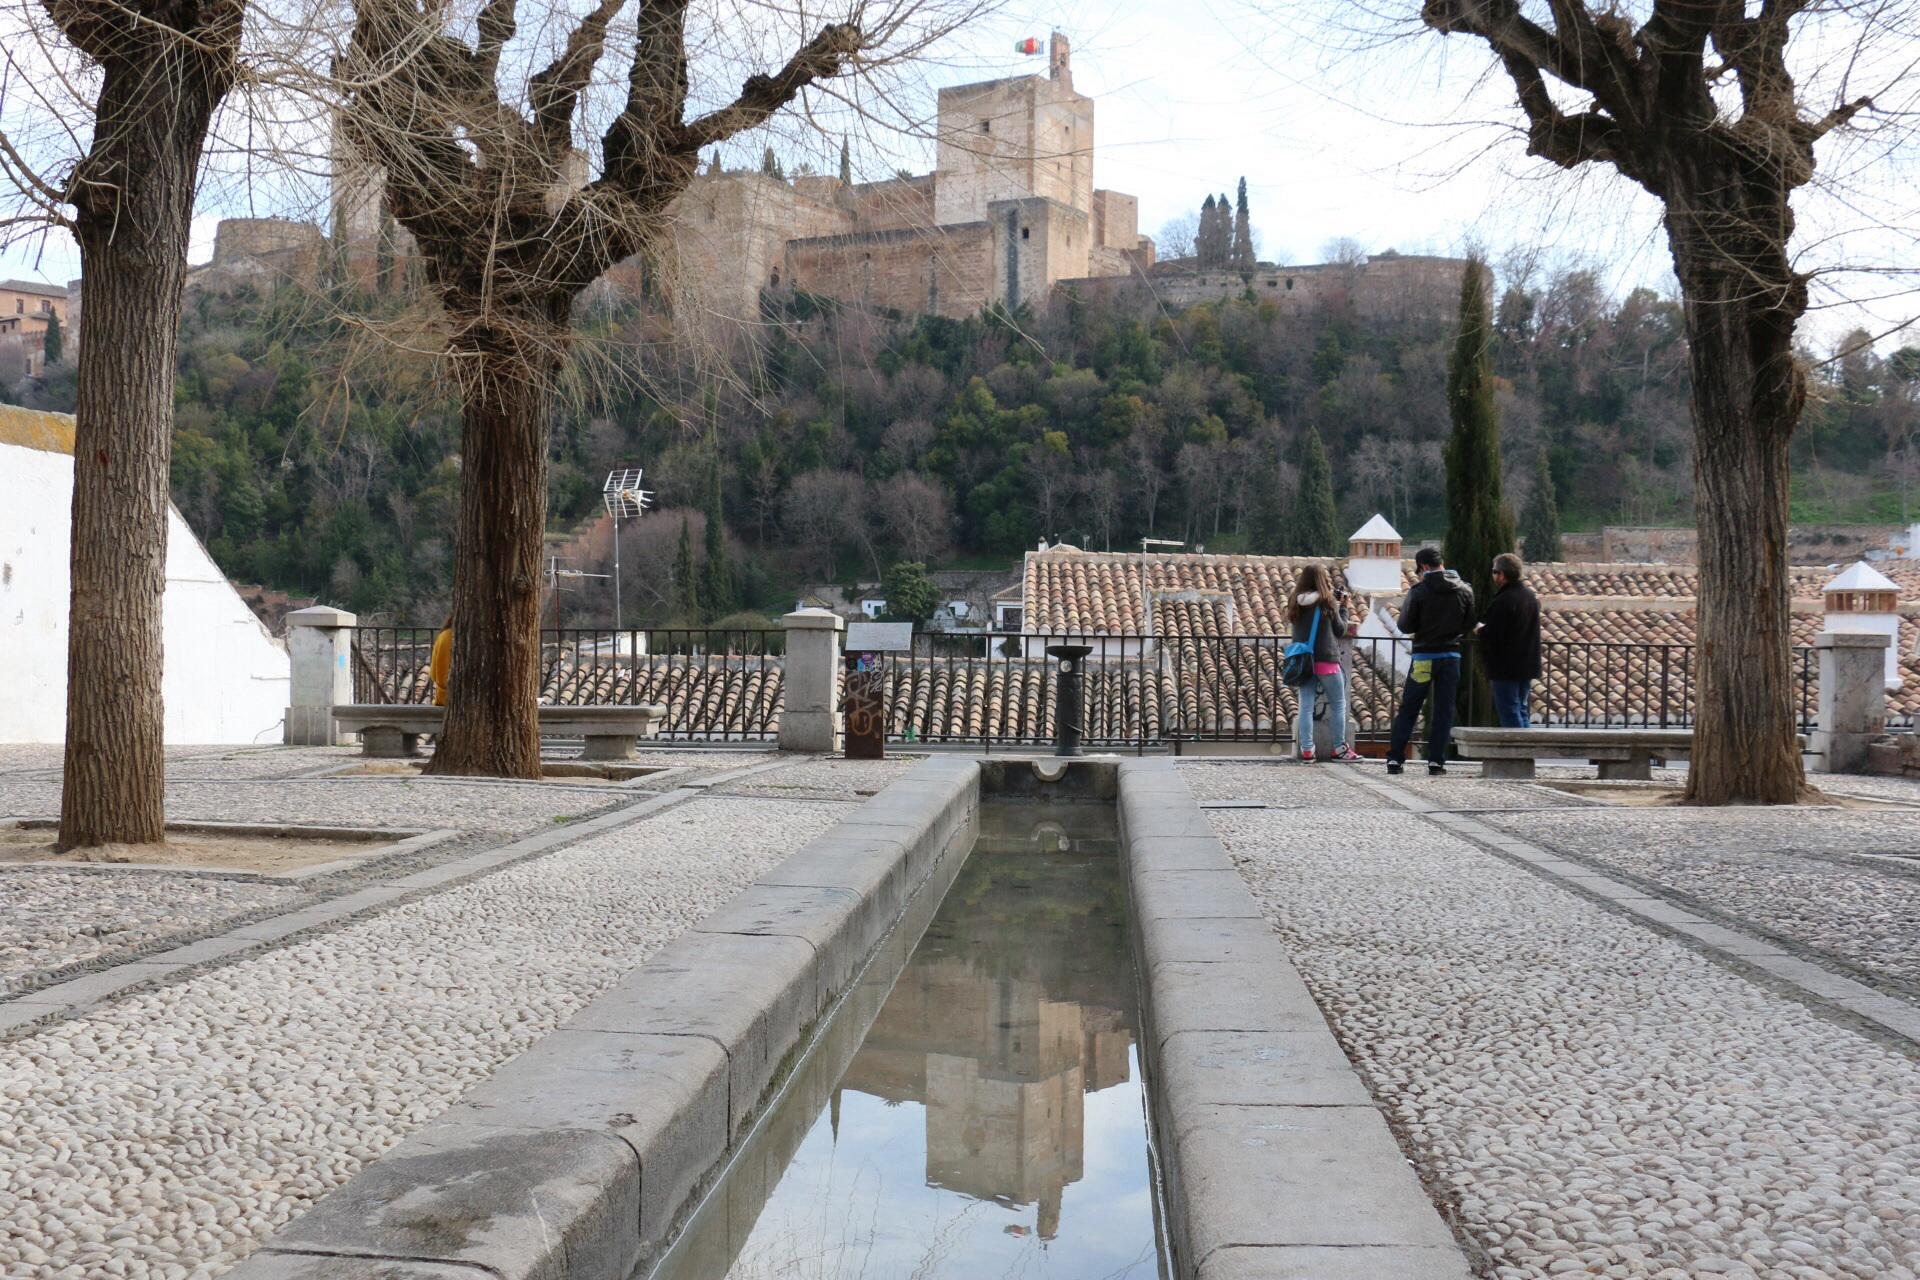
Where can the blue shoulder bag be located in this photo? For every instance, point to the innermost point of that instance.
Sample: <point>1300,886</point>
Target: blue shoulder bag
<point>1296,664</point>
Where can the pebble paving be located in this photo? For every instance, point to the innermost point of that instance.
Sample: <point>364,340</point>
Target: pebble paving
<point>365,802</point>
<point>1280,784</point>
<point>1594,1099</point>
<point>825,778</point>
<point>1792,872</point>
<point>51,920</point>
<point>169,1132</point>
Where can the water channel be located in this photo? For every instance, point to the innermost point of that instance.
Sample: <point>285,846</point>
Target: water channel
<point>974,1108</point>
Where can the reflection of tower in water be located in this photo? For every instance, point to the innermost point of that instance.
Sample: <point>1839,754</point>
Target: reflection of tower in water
<point>1003,1026</point>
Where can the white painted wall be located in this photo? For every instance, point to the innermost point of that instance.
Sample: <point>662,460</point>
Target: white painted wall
<point>226,678</point>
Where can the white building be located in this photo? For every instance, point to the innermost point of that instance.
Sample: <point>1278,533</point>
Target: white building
<point>226,679</point>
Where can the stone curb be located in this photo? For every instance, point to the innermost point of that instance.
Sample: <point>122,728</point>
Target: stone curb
<point>1278,1163</point>
<point>1750,955</point>
<point>576,1159</point>
<point>168,961</point>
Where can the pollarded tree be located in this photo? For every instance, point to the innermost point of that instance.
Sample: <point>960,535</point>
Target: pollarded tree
<point>510,230</point>
<point>159,71</point>
<point>1694,102</point>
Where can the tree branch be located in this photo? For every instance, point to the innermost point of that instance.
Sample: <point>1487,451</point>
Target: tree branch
<point>555,92</point>
<point>820,58</point>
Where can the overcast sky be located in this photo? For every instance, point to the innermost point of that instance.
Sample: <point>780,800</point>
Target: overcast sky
<point>1405,144</point>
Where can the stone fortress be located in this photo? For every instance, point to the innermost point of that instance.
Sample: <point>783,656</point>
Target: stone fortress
<point>1009,216</point>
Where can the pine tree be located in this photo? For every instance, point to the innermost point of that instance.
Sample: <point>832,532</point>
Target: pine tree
<point>55,340</point>
<point>1314,528</point>
<point>1242,255</point>
<point>716,575</point>
<point>686,579</point>
<point>846,164</point>
<point>1540,520</point>
<point>1479,526</point>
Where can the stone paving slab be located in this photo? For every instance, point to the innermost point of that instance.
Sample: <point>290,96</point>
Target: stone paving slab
<point>1594,1097</point>
<point>246,1091</point>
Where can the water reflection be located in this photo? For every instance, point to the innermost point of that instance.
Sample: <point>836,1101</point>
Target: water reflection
<point>990,1122</point>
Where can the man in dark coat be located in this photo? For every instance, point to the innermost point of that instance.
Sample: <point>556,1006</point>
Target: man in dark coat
<point>1435,615</point>
<point>1510,643</point>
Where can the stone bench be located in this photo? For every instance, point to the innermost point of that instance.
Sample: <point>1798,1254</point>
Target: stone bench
<point>393,731</point>
<point>1624,754</point>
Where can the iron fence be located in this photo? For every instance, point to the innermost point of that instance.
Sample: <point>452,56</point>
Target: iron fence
<point>716,685</point>
<point>1139,691</point>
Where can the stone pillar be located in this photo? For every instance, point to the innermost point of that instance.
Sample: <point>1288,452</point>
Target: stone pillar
<point>320,644</point>
<point>810,716</point>
<point>1853,699</point>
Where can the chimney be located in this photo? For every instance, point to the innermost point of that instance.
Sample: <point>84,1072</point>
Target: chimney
<point>1059,59</point>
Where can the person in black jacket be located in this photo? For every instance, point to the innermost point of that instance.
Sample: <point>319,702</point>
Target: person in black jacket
<point>1509,638</point>
<point>1435,616</point>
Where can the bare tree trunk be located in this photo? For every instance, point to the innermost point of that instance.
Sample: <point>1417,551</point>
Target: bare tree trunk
<point>133,195</point>
<point>508,365</point>
<point>1747,398</point>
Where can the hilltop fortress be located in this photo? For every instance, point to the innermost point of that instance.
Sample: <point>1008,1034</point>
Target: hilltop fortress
<point>1010,216</point>
<point>1009,212</point>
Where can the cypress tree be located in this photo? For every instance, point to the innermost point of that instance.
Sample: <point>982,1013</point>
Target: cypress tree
<point>716,578</point>
<point>54,341</point>
<point>1314,531</point>
<point>686,579</point>
<point>770,165</point>
<point>1540,520</point>
<point>1242,232</point>
<point>846,164</point>
<point>1203,238</point>
<point>1479,526</point>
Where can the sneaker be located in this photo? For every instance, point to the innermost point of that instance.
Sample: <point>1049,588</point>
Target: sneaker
<point>1393,766</point>
<point>1436,771</point>
<point>1347,755</point>
<point>1306,757</point>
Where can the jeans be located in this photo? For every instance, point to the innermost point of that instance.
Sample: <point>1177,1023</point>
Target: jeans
<point>1510,703</point>
<point>1333,689</point>
<point>1445,686</point>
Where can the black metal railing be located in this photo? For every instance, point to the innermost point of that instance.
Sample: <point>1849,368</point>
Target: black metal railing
<point>1140,691</point>
<point>717,685</point>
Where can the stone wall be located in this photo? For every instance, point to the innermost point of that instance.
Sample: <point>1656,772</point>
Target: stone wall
<point>1386,286</point>
<point>262,252</point>
<point>941,271</point>
<point>1806,543</point>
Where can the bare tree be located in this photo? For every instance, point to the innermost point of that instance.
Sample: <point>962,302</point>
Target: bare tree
<point>511,230</point>
<point>1697,105</point>
<point>158,70</point>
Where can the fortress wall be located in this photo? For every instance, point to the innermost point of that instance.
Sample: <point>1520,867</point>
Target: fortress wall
<point>1116,221</point>
<point>945,271</point>
<point>894,203</point>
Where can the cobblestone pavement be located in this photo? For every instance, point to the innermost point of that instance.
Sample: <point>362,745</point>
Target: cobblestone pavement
<point>1794,873</point>
<point>1595,1099</point>
<point>242,1094</point>
<point>367,802</point>
<point>52,920</point>
<point>1281,783</point>
<point>824,778</point>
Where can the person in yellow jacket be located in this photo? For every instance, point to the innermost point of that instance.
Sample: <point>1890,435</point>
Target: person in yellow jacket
<point>441,665</point>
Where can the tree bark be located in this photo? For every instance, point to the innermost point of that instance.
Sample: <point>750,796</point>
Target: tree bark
<point>133,196</point>
<point>509,364</point>
<point>1747,396</point>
